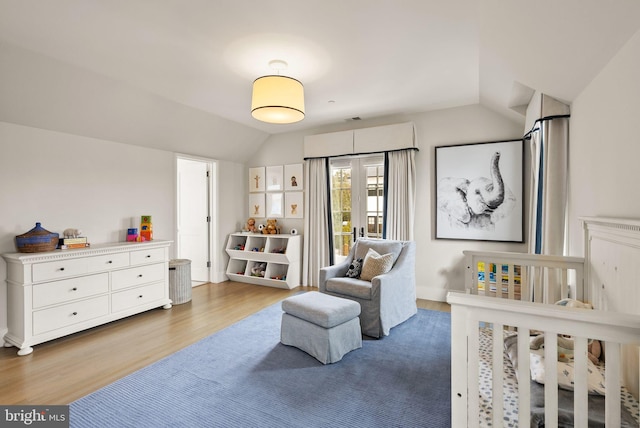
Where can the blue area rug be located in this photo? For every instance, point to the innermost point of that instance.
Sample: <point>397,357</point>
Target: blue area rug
<point>243,376</point>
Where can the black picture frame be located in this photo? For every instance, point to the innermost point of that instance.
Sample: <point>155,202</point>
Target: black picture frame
<point>470,202</point>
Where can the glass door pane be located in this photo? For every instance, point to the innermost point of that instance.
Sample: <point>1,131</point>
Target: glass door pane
<point>341,209</point>
<point>357,193</point>
<point>375,200</point>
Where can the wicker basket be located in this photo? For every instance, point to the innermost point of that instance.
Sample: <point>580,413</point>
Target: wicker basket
<point>37,240</point>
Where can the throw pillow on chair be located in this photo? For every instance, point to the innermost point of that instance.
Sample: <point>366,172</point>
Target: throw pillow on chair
<point>354,268</point>
<point>375,264</point>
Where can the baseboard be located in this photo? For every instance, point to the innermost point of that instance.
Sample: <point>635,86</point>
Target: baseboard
<point>432,293</point>
<point>218,277</point>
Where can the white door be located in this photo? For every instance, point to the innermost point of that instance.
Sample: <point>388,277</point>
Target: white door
<point>357,197</point>
<point>193,216</point>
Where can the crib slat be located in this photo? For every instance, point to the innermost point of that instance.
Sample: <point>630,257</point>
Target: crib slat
<point>564,286</point>
<point>473,374</point>
<point>580,384</point>
<point>459,359</point>
<point>537,284</point>
<point>550,378</point>
<point>512,282</point>
<point>497,370</point>
<point>525,292</point>
<point>612,384</point>
<point>524,378</point>
<point>546,279</point>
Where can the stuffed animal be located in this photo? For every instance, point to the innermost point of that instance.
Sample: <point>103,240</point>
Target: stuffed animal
<point>565,344</point>
<point>251,225</point>
<point>271,228</point>
<point>258,269</point>
<point>573,303</point>
<point>565,348</point>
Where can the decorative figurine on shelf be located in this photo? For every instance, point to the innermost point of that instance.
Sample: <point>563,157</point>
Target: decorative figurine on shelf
<point>71,233</point>
<point>251,225</point>
<point>271,227</point>
<point>146,228</point>
<point>132,234</point>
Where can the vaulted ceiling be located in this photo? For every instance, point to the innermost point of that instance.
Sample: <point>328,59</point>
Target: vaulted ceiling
<point>356,58</point>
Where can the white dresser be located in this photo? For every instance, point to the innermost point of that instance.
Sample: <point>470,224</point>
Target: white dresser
<point>53,294</point>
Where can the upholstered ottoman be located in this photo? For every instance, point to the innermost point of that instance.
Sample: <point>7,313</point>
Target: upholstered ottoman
<point>325,327</point>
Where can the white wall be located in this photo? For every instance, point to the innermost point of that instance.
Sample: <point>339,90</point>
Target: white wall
<point>63,181</point>
<point>605,144</point>
<point>100,187</point>
<point>439,264</point>
<point>232,189</point>
<point>43,92</point>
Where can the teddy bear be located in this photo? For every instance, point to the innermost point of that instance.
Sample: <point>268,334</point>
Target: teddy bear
<point>251,225</point>
<point>271,228</point>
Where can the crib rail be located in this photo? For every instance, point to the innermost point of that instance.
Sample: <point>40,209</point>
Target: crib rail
<point>522,276</point>
<point>469,311</point>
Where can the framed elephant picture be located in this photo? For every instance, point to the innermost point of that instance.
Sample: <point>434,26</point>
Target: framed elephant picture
<point>479,191</point>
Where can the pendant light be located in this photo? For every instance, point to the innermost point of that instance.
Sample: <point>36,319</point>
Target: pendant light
<point>276,98</point>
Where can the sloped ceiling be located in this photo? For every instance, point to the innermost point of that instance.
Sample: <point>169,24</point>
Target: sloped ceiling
<point>356,58</point>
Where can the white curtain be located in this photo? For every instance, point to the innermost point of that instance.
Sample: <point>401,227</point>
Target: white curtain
<point>549,174</point>
<point>401,195</point>
<point>317,248</point>
<point>548,205</point>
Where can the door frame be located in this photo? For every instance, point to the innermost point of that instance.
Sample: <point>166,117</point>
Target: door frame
<point>212,168</point>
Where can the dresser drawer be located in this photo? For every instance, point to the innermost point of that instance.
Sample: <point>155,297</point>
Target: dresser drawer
<point>138,296</point>
<point>152,255</point>
<point>65,290</point>
<point>72,313</point>
<point>59,269</point>
<point>107,262</point>
<point>137,276</point>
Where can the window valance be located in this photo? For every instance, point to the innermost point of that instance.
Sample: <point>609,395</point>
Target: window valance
<point>358,141</point>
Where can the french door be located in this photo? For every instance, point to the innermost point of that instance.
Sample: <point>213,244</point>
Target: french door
<point>357,198</point>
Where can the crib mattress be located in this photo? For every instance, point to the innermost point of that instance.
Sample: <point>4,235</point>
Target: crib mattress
<point>510,387</point>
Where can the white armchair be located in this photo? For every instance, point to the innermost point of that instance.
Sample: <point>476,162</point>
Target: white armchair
<point>388,299</point>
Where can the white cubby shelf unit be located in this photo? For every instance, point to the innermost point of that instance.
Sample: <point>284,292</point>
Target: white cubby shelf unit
<point>280,252</point>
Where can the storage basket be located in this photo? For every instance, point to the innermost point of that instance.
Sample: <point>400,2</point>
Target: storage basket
<point>180,281</point>
<point>37,240</point>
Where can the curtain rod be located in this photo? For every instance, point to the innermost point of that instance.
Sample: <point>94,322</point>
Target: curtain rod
<point>534,128</point>
<point>362,153</point>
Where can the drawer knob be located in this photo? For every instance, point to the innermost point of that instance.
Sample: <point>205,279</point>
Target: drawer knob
<point>140,276</point>
<point>140,296</point>
<point>61,268</point>
<point>148,256</point>
<point>75,313</point>
<point>110,261</point>
<point>74,289</point>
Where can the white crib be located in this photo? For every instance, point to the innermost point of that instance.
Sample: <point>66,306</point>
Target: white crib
<point>517,299</point>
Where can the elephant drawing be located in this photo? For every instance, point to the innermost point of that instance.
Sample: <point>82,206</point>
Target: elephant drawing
<point>476,203</point>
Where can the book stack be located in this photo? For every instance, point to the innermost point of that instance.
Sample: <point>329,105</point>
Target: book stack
<point>70,243</point>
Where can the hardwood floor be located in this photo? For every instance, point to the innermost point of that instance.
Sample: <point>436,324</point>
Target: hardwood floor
<point>63,370</point>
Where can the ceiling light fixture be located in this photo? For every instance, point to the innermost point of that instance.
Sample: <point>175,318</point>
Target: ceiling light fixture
<point>276,98</point>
